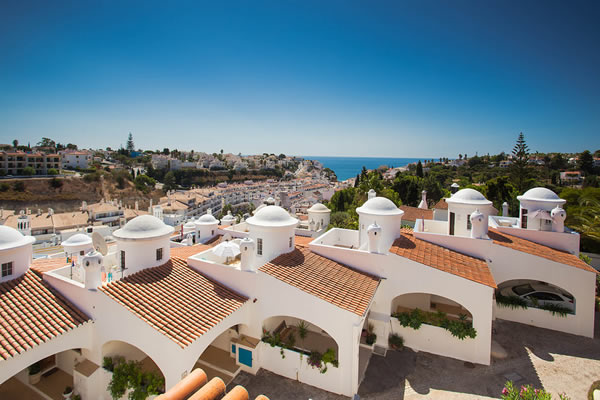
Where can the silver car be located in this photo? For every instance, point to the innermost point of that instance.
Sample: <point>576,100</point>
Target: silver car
<point>540,294</point>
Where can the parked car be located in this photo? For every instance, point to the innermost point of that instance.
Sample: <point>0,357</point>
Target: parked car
<point>540,294</point>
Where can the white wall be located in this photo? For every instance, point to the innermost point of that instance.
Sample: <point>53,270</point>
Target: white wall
<point>390,229</point>
<point>21,259</point>
<point>141,254</point>
<point>275,242</point>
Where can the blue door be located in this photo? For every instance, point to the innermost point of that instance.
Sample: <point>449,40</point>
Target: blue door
<point>245,356</point>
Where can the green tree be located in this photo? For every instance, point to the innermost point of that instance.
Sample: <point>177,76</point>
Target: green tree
<point>357,180</point>
<point>29,171</point>
<point>170,182</point>
<point>144,183</point>
<point>130,145</point>
<point>19,186</point>
<point>586,162</point>
<point>500,190</point>
<point>419,169</point>
<point>520,170</point>
<point>15,143</point>
<point>52,171</point>
<point>46,142</point>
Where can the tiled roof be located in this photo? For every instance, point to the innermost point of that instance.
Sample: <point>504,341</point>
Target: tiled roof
<point>326,279</point>
<point>415,213</point>
<point>441,205</point>
<point>435,256</point>
<point>176,300</point>
<point>31,313</point>
<point>536,249</point>
<point>194,386</point>
<point>187,251</point>
<point>41,265</point>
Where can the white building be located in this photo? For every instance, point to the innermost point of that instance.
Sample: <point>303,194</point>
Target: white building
<point>192,306</point>
<point>76,159</point>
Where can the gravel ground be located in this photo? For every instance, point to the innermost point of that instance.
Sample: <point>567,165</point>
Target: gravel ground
<point>556,361</point>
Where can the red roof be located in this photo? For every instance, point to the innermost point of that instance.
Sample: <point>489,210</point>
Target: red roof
<point>41,265</point>
<point>435,256</point>
<point>326,279</point>
<point>415,213</point>
<point>441,205</point>
<point>536,249</point>
<point>31,313</point>
<point>176,300</point>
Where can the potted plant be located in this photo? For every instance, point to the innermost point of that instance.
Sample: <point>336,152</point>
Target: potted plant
<point>35,373</point>
<point>68,392</point>
<point>395,341</point>
<point>371,336</point>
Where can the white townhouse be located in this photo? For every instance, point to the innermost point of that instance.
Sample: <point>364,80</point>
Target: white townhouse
<point>310,309</point>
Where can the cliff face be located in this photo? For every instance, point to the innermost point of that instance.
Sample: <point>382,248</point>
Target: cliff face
<point>66,194</point>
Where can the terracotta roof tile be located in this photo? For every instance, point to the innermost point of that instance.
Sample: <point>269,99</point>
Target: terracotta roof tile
<point>329,280</point>
<point>414,213</point>
<point>303,240</point>
<point>41,265</point>
<point>31,313</point>
<point>536,249</point>
<point>441,205</point>
<point>441,258</point>
<point>187,251</point>
<point>176,300</point>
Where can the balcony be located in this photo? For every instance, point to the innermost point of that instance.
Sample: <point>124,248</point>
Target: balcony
<point>338,237</point>
<point>431,226</point>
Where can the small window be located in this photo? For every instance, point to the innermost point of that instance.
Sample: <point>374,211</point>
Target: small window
<point>81,252</point>
<point>159,254</point>
<point>122,259</point>
<point>524,218</point>
<point>259,247</point>
<point>290,245</point>
<point>212,233</point>
<point>7,269</point>
<point>469,222</point>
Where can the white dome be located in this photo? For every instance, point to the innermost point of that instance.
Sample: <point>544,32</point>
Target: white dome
<point>11,238</point>
<point>318,207</point>
<point>379,206</point>
<point>143,227</point>
<point>258,208</point>
<point>228,217</point>
<point>272,216</point>
<point>189,225</point>
<point>541,194</point>
<point>77,240</point>
<point>468,196</point>
<point>207,219</point>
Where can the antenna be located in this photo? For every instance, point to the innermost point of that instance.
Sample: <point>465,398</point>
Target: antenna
<point>99,243</point>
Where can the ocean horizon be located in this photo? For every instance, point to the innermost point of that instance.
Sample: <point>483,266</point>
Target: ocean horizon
<point>348,167</point>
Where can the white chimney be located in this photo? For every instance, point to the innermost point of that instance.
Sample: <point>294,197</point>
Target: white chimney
<point>137,206</point>
<point>247,250</point>
<point>505,209</point>
<point>558,219</point>
<point>50,211</point>
<point>374,233</point>
<point>478,225</point>
<point>423,203</point>
<point>92,265</point>
<point>371,194</point>
<point>188,240</point>
<point>83,206</point>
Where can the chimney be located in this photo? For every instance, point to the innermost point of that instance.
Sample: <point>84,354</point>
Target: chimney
<point>83,206</point>
<point>28,211</point>
<point>374,233</point>
<point>137,206</point>
<point>247,249</point>
<point>423,203</point>
<point>50,211</point>
<point>505,209</point>
<point>371,194</point>
<point>478,225</point>
<point>558,219</point>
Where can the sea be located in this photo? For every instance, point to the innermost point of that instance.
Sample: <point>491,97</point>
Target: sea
<point>348,167</point>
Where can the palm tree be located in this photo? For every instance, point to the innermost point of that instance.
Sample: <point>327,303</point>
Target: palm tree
<point>587,217</point>
<point>302,332</point>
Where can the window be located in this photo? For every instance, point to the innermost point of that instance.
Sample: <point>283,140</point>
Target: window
<point>545,296</point>
<point>259,247</point>
<point>290,242</point>
<point>469,222</point>
<point>452,222</point>
<point>122,259</point>
<point>7,269</point>
<point>81,253</point>
<point>524,218</point>
<point>159,254</point>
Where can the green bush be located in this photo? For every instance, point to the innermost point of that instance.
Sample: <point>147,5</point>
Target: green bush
<point>513,302</point>
<point>129,375</point>
<point>29,171</point>
<point>4,187</point>
<point>395,341</point>
<point>19,186</point>
<point>556,309</point>
<point>527,392</point>
<point>52,171</point>
<point>414,319</point>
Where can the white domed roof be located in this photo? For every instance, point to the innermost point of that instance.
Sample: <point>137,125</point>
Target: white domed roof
<point>468,196</point>
<point>11,238</point>
<point>379,206</point>
<point>272,216</point>
<point>189,225</point>
<point>318,207</point>
<point>77,240</point>
<point>207,219</point>
<point>541,194</point>
<point>143,227</point>
<point>228,217</point>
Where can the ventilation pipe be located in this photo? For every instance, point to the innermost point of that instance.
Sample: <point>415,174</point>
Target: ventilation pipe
<point>558,219</point>
<point>374,233</point>
<point>247,250</point>
<point>92,266</point>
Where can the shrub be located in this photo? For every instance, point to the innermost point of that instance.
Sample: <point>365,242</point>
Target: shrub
<point>513,302</point>
<point>68,390</point>
<point>556,309</point>
<point>527,392</point>
<point>29,171</point>
<point>55,183</point>
<point>395,341</point>
<point>314,360</point>
<point>19,186</point>
<point>52,171</point>
<point>108,364</point>
<point>414,319</point>
<point>129,375</point>
<point>35,368</point>
<point>4,187</point>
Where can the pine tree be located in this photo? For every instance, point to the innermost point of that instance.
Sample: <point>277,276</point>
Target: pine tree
<point>519,166</point>
<point>586,162</point>
<point>419,169</point>
<point>130,144</point>
<point>357,180</point>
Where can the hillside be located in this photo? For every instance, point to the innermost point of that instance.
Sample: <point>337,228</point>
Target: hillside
<point>66,194</point>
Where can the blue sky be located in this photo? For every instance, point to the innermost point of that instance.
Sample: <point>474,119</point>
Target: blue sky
<point>381,78</point>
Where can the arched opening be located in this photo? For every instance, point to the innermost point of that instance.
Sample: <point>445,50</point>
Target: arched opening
<point>127,363</point>
<point>526,293</point>
<point>300,336</point>
<point>49,375</point>
<point>231,351</point>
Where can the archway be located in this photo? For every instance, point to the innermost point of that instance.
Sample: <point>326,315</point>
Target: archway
<point>430,303</point>
<point>528,293</point>
<point>298,334</point>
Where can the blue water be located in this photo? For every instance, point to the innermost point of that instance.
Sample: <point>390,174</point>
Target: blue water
<point>348,167</point>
